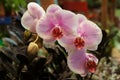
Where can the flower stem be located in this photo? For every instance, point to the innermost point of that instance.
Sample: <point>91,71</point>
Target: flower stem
<point>36,39</point>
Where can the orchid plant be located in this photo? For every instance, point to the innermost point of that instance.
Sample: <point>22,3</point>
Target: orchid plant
<point>74,32</point>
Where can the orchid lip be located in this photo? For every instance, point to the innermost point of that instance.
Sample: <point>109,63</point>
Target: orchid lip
<point>91,65</point>
<point>79,43</point>
<point>57,32</point>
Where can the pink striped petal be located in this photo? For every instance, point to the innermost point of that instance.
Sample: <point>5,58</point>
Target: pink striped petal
<point>76,62</point>
<point>67,43</point>
<point>81,18</point>
<point>53,8</point>
<point>35,10</point>
<point>29,22</point>
<point>31,16</point>
<point>81,62</point>
<point>91,34</point>
<point>67,21</point>
<point>44,26</point>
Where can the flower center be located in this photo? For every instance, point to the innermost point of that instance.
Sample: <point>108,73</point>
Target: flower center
<point>91,66</point>
<point>79,43</point>
<point>57,32</point>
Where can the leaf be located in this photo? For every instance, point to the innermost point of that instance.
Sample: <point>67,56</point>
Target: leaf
<point>8,54</point>
<point>16,37</point>
<point>9,67</point>
<point>105,40</point>
<point>9,41</point>
<point>38,64</point>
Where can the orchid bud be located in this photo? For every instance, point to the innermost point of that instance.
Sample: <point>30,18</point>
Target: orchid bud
<point>32,50</point>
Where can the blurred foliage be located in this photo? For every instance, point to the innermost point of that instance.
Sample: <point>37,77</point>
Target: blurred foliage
<point>94,3</point>
<point>13,5</point>
<point>117,13</point>
<point>1,43</point>
<point>118,3</point>
<point>116,41</point>
<point>107,71</point>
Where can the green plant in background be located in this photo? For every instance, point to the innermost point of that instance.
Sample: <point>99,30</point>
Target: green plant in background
<point>118,3</point>
<point>1,43</point>
<point>94,3</point>
<point>10,5</point>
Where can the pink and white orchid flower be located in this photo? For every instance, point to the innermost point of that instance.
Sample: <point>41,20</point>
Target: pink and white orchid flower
<point>81,62</point>
<point>31,16</point>
<point>56,23</point>
<point>88,36</point>
<point>74,32</point>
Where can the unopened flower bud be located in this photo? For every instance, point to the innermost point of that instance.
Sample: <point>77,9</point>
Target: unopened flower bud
<point>27,35</point>
<point>32,50</point>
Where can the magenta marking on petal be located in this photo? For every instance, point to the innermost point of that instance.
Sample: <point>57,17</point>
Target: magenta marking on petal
<point>91,65</point>
<point>79,42</point>
<point>57,33</point>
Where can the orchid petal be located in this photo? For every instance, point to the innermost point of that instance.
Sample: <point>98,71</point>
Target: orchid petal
<point>91,63</point>
<point>81,18</point>
<point>35,10</point>
<point>53,8</point>
<point>31,16</point>
<point>63,19</point>
<point>67,21</point>
<point>92,57</point>
<point>67,43</point>
<point>45,26</point>
<point>91,34</point>
<point>76,62</point>
<point>29,22</point>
